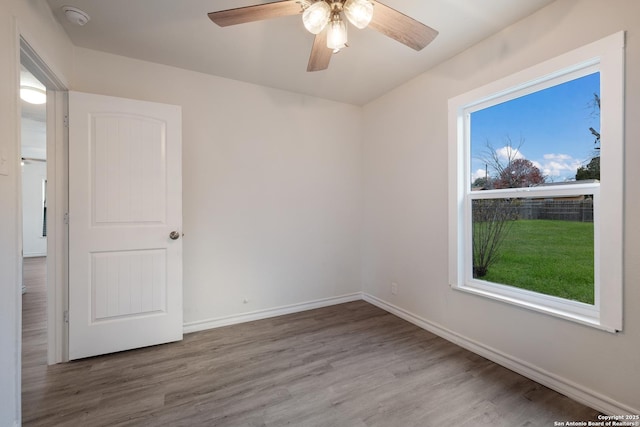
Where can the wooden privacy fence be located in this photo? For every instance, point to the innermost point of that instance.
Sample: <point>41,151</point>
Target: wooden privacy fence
<point>564,210</point>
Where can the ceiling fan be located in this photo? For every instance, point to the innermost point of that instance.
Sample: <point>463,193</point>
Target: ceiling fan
<point>325,19</point>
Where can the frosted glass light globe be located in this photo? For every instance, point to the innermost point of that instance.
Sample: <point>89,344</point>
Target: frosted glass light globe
<point>316,16</point>
<point>359,12</point>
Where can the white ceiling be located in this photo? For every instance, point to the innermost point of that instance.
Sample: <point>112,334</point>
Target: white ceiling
<point>274,53</point>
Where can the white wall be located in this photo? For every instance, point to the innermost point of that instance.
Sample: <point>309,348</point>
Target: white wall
<point>33,243</point>
<point>33,142</point>
<point>273,211</point>
<point>36,22</point>
<point>405,204</point>
<point>271,186</point>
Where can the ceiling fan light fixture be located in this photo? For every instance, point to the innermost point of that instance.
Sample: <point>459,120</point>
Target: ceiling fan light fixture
<point>359,12</point>
<point>33,95</point>
<point>337,33</point>
<point>327,20</point>
<point>316,17</point>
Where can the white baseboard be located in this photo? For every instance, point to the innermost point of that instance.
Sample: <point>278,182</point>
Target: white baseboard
<point>218,322</point>
<point>568,388</point>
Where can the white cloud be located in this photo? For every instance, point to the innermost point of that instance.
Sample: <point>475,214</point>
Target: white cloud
<point>556,167</point>
<point>559,166</point>
<point>557,157</point>
<point>479,173</point>
<point>509,153</point>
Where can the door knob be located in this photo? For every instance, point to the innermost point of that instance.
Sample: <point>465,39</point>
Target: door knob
<point>174,235</point>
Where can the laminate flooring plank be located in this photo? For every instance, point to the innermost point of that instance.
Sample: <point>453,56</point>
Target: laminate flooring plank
<point>350,365</point>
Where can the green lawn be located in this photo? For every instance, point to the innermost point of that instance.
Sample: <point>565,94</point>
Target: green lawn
<point>550,257</point>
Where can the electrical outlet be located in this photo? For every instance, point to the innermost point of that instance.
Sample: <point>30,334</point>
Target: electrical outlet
<point>394,288</point>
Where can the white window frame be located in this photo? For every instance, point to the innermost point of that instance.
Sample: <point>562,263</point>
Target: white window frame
<point>607,57</point>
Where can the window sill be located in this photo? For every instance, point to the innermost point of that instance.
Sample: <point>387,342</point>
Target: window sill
<point>586,320</point>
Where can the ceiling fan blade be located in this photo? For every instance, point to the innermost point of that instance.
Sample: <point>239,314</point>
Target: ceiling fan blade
<point>320,53</point>
<point>257,12</point>
<point>401,27</point>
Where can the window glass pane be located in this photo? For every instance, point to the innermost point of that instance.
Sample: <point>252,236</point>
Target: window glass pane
<point>548,136</point>
<point>542,245</point>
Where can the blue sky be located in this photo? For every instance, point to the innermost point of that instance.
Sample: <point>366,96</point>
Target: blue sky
<point>553,123</point>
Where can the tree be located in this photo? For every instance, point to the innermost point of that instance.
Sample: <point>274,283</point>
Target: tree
<point>498,160</point>
<point>492,219</point>
<point>484,182</point>
<point>590,171</point>
<point>519,173</point>
<point>511,169</point>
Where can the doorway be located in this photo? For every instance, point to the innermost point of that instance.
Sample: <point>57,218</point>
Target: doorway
<point>33,151</point>
<point>43,193</point>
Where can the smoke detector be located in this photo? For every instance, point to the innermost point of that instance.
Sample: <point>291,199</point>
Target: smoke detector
<point>75,15</point>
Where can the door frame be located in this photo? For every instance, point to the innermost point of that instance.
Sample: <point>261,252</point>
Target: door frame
<point>57,198</point>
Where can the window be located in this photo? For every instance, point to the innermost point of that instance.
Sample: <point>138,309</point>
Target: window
<point>44,208</point>
<point>523,229</point>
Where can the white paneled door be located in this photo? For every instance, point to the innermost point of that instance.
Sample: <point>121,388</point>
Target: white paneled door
<point>125,224</point>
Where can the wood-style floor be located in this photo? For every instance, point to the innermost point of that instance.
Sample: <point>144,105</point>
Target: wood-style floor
<point>347,365</point>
